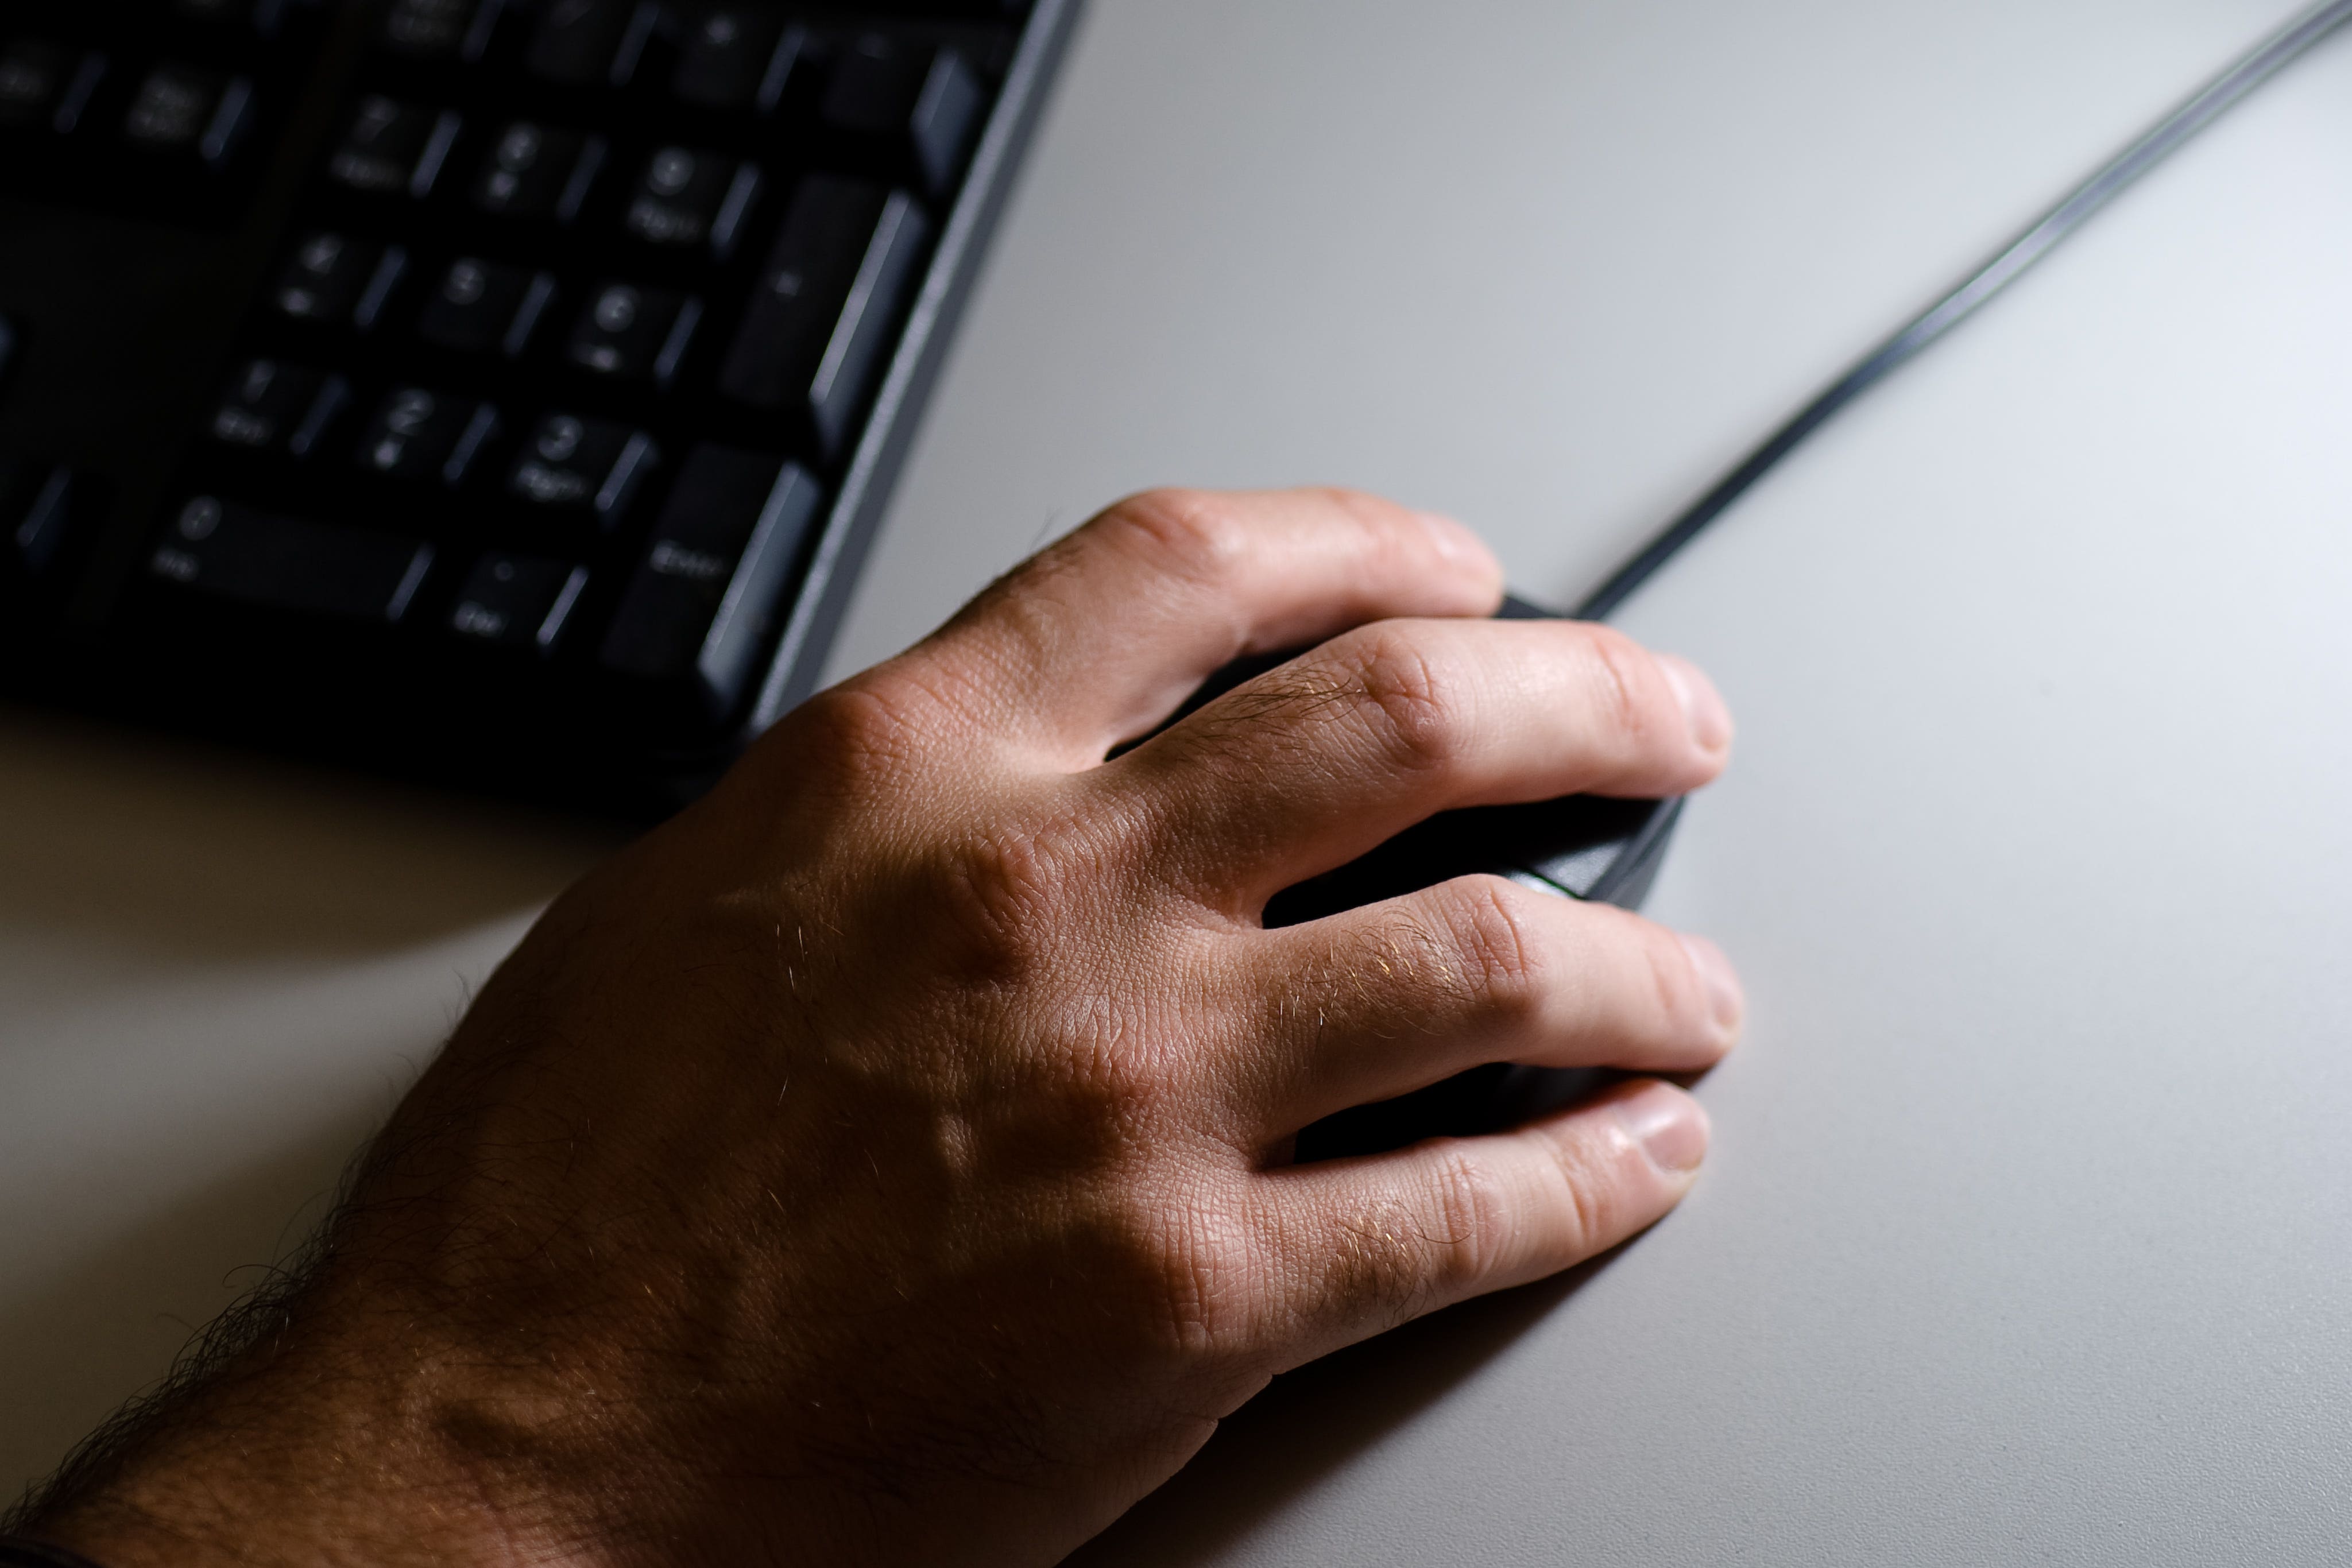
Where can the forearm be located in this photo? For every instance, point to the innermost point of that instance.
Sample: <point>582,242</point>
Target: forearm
<point>298,1444</point>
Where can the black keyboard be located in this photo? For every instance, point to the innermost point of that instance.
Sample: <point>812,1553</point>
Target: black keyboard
<point>499,391</point>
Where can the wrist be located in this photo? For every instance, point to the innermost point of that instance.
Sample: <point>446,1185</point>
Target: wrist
<point>353,1448</point>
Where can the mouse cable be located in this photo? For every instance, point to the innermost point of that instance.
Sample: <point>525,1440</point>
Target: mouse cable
<point>1961,303</point>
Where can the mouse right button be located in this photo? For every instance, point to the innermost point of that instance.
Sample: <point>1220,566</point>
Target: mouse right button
<point>1594,847</point>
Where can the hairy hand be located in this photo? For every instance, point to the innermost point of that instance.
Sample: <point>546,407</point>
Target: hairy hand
<point>888,1160</point>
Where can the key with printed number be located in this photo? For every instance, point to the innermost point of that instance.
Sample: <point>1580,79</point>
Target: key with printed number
<point>289,563</point>
<point>47,85</point>
<point>593,466</point>
<point>585,42</point>
<point>188,110</point>
<point>331,277</point>
<point>483,305</point>
<point>538,171</point>
<point>686,197</point>
<point>391,148</point>
<point>739,56</point>
<point>422,434</point>
<point>269,406</point>
<point>626,331</point>
<point>440,29</point>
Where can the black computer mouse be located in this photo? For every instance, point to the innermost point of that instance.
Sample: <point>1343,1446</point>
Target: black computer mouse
<point>1579,846</point>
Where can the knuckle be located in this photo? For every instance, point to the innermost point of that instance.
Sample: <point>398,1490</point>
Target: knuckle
<point>1173,1265</point>
<point>1472,1213</point>
<point>1197,534</point>
<point>1200,1279</point>
<point>1506,968</point>
<point>1406,700</point>
<point>1379,1260</point>
<point>1410,1254</point>
<point>1675,983</point>
<point>855,736</point>
<point>1624,675</point>
<point>1580,1201</point>
<point>999,889</point>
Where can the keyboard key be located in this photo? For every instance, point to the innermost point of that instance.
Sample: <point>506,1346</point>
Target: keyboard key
<point>740,56</point>
<point>484,305</point>
<point>392,146</point>
<point>272,406</point>
<point>48,84</point>
<point>925,101</point>
<point>591,42</point>
<point>518,599</point>
<point>627,332</point>
<point>186,108</point>
<point>685,197</point>
<point>587,464</point>
<point>263,402</point>
<point>440,29</point>
<point>336,279</point>
<point>420,434</point>
<point>532,172</point>
<point>826,303</point>
<point>32,79</point>
<point>698,610</point>
<point>286,563</point>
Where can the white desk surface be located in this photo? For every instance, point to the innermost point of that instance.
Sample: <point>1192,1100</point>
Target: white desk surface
<point>2026,1234</point>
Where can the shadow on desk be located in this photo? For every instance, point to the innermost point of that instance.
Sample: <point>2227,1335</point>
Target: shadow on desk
<point>94,1331</point>
<point>1310,1422</point>
<point>217,972</point>
<point>183,852</point>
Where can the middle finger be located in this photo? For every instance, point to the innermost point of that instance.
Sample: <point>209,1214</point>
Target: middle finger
<point>1311,765</point>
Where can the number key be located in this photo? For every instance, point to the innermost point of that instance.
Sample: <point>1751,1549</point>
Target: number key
<point>588,465</point>
<point>269,403</point>
<point>333,278</point>
<point>586,42</point>
<point>440,29</point>
<point>740,56</point>
<point>186,108</point>
<point>44,84</point>
<point>626,331</point>
<point>484,305</point>
<point>421,434</point>
<point>532,172</point>
<point>392,146</point>
<point>685,197</point>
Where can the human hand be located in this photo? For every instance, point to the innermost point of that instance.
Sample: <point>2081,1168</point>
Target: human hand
<point>886,1160</point>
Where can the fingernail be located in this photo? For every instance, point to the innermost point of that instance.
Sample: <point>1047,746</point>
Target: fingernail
<point>1724,995</point>
<point>1668,1124</point>
<point>1703,709</point>
<point>1453,540</point>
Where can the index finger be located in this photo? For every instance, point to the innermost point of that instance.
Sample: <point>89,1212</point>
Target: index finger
<point>1099,637</point>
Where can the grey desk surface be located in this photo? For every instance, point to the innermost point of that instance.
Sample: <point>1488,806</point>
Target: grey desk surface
<point>2026,1235</point>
